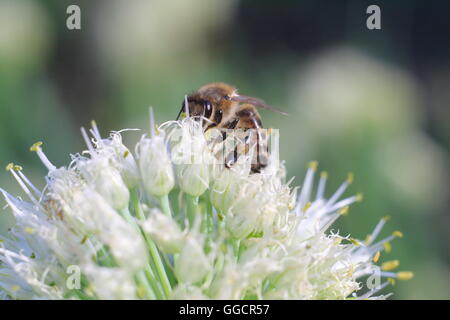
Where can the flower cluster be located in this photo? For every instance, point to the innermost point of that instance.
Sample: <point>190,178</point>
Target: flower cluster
<point>158,224</point>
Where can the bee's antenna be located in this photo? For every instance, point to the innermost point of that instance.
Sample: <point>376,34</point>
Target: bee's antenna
<point>184,107</point>
<point>179,113</point>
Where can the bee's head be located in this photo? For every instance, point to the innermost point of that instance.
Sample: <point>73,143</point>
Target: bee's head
<point>196,107</point>
<point>206,99</point>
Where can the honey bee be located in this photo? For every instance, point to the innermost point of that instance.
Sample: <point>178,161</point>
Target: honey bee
<point>220,106</point>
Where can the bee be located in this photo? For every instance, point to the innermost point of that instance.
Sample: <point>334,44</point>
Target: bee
<point>221,107</point>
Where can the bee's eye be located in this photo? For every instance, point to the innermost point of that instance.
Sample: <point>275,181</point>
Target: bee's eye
<point>208,109</point>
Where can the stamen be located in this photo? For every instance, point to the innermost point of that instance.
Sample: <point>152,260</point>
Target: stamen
<point>405,275</point>
<point>397,234</point>
<point>343,203</point>
<point>322,183</point>
<point>88,142</point>
<point>37,148</point>
<point>376,231</point>
<point>344,211</point>
<point>307,185</point>
<point>391,281</point>
<point>387,247</point>
<point>330,221</point>
<point>10,168</point>
<point>313,165</point>
<point>28,182</point>
<point>359,197</point>
<point>338,193</point>
<point>152,122</point>
<point>390,265</point>
<point>376,257</point>
<point>379,245</point>
<point>350,178</point>
<point>95,132</point>
<point>307,206</point>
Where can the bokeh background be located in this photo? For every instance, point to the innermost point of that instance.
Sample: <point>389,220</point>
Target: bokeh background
<point>374,102</point>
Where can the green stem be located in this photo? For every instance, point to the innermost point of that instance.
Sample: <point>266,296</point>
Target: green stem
<point>156,262</point>
<point>192,204</point>
<point>148,282</point>
<point>134,197</point>
<point>165,206</point>
<point>159,267</point>
<point>209,217</point>
<point>142,280</point>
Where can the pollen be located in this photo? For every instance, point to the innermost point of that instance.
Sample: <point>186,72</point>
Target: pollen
<point>324,175</point>
<point>376,257</point>
<point>405,275</point>
<point>15,288</point>
<point>344,211</point>
<point>350,177</point>
<point>359,197</point>
<point>387,247</point>
<point>9,166</point>
<point>391,281</point>
<point>398,234</point>
<point>307,206</point>
<point>35,147</point>
<point>29,230</point>
<point>126,153</point>
<point>390,265</point>
<point>313,165</point>
<point>18,168</point>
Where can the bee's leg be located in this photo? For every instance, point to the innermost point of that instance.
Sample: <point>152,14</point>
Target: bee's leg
<point>231,158</point>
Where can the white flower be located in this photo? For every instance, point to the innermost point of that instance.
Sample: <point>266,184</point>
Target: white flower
<point>193,264</point>
<point>164,231</point>
<point>120,156</point>
<point>101,176</point>
<point>221,233</point>
<point>190,156</point>
<point>155,164</point>
<point>111,283</point>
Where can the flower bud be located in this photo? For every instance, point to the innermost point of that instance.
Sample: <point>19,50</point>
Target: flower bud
<point>155,166</point>
<point>106,180</point>
<point>192,265</point>
<point>125,242</point>
<point>192,159</point>
<point>164,231</point>
<point>123,160</point>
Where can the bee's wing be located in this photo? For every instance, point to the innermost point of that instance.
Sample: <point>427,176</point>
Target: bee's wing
<point>256,102</point>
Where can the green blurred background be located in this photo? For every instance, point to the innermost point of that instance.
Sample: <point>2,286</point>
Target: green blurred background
<point>376,103</point>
